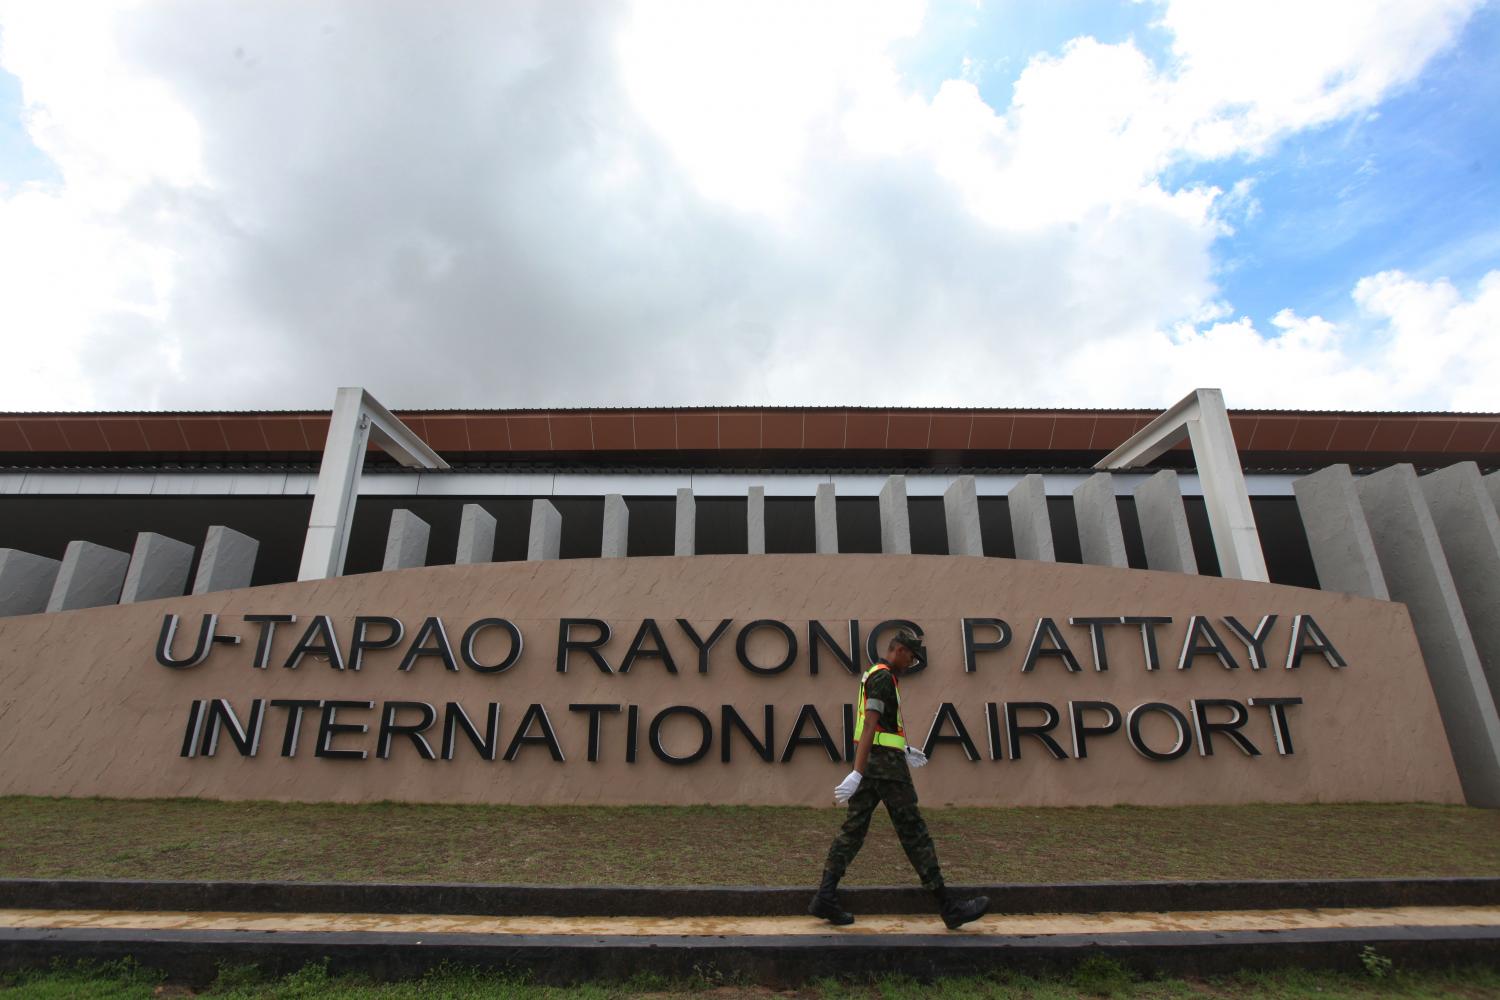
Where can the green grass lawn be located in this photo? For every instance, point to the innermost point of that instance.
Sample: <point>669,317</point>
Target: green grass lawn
<point>1090,979</point>
<point>726,845</point>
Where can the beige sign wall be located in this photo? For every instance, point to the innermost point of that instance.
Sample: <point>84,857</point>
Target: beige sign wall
<point>85,709</point>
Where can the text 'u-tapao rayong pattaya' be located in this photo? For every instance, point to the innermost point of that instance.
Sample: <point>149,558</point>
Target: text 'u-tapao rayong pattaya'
<point>764,646</point>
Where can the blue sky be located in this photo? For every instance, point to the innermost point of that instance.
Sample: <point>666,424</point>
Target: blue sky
<point>743,202</point>
<point>1413,185</point>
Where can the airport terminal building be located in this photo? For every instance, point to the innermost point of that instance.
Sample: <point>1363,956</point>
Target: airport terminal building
<point>1105,593</point>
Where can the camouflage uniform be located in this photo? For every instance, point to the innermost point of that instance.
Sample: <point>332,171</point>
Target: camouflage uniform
<point>887,779</point>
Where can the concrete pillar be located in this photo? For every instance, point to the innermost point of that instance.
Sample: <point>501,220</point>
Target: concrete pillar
<point>961,512</point>
<point>1029,522</point>
<point>406,544</point>
<point>1202,417</point>
<point>1222,477</point>
<point>755,521</point>
<point>895,518</point>
<point>1406,542</point>
<point>544,541</point>
<point>228,561</point>
<point>1469,529</point>
<point>1338,534</point>
<point>25,582</point>
<point>825,520</point>
<point>616,539</point>
<point>1164,526</point>
<point>90,576</point>
<point>476,536</point>
<point>158,568</point>
<point>1100,536</point>
<point>357,420</point>
<point>1492,483</point>
<point>685,525</point>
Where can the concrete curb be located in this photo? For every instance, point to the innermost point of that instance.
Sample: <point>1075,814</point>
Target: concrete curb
<point>195,956</point>
<point>691,901</point>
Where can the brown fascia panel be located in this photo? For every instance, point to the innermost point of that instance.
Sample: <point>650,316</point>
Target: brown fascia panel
<point>792,437</point>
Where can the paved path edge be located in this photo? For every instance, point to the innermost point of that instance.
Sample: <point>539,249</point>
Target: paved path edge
<point>737,901</point>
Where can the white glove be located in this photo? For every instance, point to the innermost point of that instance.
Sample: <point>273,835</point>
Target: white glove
<point>847,787</point>
<point>915,757</point>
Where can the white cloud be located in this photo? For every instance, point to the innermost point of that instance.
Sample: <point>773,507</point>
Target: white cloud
<point>1437,344</point>
<point>544,204</point>
<point>110,127</point>
<point>1253,70</point>
<point>1411,344</point>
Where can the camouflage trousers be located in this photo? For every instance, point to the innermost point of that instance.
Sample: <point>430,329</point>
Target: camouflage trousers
<point>900,800</point>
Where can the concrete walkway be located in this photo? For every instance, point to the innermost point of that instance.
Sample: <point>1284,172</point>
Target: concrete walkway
<point>1001,925</point>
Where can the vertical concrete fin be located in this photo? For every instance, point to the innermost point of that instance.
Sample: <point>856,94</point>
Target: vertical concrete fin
<point>26,582</point>
<point>616,540</point>
<point>1338,533</point>
<point>1030,523</point>
<point>476,536</point>
<point>1469,529</point>
<point>1492,483</point>
<point>544,540</point>
<point>90,576</point>
<point>1164,526</point>
<point>228,561</point>
<point>406,544</point>
<point>158,568</point>
<point>1100,536</point>
<point>1416,572</point>
<point>685,524</point>
<point>961,512</point>
<point>755,521</point>
<point>825,520</point>
<point>895,518</point>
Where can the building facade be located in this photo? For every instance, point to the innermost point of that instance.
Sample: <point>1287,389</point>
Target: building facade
<point>162,516</point>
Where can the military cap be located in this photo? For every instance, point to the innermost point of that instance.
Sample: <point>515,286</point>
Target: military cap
<point>911,641</point>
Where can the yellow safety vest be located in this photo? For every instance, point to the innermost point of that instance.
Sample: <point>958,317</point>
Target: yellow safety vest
<point>883,737</point>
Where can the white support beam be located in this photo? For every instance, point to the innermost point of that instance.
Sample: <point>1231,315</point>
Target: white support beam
<point>357,420</point>
<point>1203,419</point>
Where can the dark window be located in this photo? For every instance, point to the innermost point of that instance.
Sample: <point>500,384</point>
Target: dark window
<point>789,524</point>
<point>722,528</point>
<point>859,524</point>
<point>929,526</point>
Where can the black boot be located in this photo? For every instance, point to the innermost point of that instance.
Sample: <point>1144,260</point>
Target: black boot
<point>826,903</point>
<point>955,913</point>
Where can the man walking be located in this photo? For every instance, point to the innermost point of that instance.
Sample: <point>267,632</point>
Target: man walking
<point>881,774</point>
